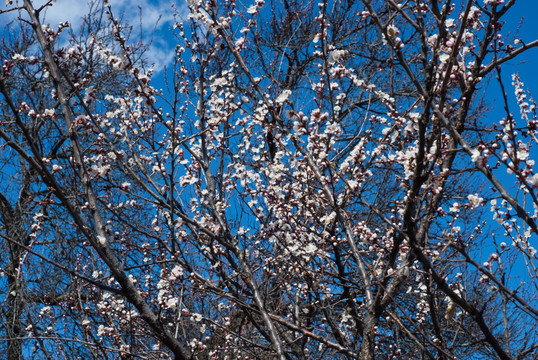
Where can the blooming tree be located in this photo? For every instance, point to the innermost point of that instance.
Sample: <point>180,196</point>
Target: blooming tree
<point>317,180</point>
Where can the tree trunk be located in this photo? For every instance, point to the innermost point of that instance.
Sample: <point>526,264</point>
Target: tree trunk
<point>12,219</point>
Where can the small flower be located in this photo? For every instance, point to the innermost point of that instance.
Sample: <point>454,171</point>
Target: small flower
<point>171,303</point>
<point>475,200</point>
<point>283,97</point>
<point>18,57</point>
<point>476,155</point>
<point>176,273</point>
<point>455,207</point>
<point>533,180</point>
<point>450,310</point>
<point>392,31</point>
<point>310,249</point>
<point>44,310</point>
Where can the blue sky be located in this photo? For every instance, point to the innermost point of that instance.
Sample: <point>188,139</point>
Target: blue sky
<point>160,12</point>
<point>523,19</point>
<point>157,19</point>
<point>524,15</point>
<point>525,12</point>
<point>161,52</point>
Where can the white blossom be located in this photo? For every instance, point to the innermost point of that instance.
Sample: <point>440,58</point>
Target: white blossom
<point>475,200</point>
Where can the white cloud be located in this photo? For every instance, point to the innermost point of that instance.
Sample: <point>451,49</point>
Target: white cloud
<point>74,10</point>
<point>64,10</point>
<point>153,19</point>
<point>150,19</point>
<point>60,11</point>
<point>150,12</point>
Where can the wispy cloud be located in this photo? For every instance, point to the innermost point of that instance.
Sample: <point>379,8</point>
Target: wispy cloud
<point>151,19</point>
<point>64,10</point>
<point>154,20</point>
